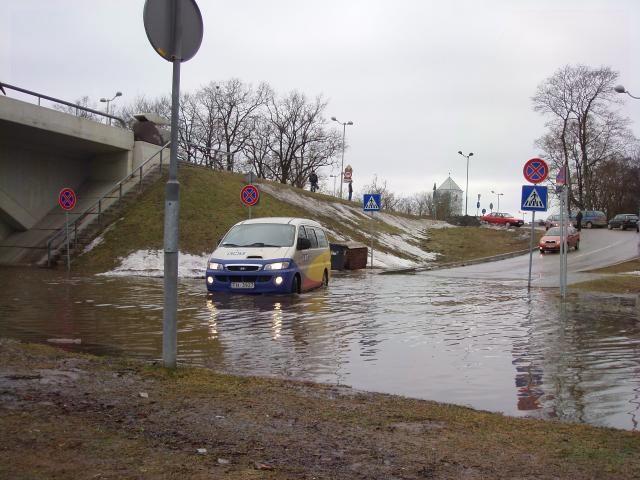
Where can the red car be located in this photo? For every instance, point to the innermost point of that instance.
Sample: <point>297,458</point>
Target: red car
<point>506,219</point>
<point>551,240</point>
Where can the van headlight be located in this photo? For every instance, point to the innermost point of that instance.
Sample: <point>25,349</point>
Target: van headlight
<point>216,266</point>
<point>276,266</point>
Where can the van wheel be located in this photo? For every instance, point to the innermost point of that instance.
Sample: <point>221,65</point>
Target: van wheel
<point>325,279</point>
<point>589,225</point>
<point>295,285</point>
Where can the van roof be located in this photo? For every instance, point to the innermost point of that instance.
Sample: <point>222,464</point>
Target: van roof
<point>283,220</point>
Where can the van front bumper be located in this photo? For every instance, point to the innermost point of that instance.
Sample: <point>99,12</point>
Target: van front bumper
<point>262,281</point>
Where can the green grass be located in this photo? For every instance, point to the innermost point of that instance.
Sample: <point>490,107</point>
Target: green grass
<point>615,281</point>
<point>210,205</point>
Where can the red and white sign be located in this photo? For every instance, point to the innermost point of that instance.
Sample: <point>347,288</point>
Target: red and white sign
<point>535,170</point>
<point>67,199</point>
<point>249,195</point>
<point>348,174</point>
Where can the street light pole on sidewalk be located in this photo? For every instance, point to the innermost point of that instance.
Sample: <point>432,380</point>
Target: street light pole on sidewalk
<point>344,131</point>
<point>466,192</point>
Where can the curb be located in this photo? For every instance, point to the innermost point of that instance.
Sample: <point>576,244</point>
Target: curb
<point>474,261</point>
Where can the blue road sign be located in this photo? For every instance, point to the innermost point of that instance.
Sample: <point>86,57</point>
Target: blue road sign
<point>371,202</point>
<point>534,198</point>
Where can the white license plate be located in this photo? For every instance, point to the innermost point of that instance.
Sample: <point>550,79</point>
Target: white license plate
<point>242,285</point>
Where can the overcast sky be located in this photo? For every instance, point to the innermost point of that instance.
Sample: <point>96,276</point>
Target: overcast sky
<point>419,79</point>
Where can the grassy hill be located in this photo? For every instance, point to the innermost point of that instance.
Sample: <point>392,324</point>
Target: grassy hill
<point>210,205</point>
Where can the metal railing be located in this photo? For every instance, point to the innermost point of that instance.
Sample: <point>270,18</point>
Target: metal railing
<point>96,208</point>
<point>63,102</point>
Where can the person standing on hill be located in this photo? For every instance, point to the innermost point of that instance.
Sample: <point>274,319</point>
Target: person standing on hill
<point>313,180</point>
<point>350,189</point>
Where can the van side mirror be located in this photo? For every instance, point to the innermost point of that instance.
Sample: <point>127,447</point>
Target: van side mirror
<point>303,244</point>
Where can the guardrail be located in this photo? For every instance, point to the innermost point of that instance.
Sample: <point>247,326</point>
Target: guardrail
<point>62,102</point>
<point>96,208</point>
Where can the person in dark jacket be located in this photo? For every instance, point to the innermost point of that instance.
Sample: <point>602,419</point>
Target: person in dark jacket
<point>350,190</point>
<point>313,180</point>
<point>579,220</point>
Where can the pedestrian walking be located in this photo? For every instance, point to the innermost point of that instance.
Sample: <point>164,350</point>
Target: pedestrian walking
<point>350,189</point>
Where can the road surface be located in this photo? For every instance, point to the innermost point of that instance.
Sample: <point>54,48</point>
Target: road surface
<point>598,248</point>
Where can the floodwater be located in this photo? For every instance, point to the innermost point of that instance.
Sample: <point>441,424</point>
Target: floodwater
<point>483,344</point>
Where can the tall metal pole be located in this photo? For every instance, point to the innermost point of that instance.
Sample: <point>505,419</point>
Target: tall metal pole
<point>466,192</point>
<point>533,218</point>
<point>344,131</point>
<point>171,211</point>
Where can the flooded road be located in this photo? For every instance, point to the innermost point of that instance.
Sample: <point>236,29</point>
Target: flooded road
<point>484,344</point>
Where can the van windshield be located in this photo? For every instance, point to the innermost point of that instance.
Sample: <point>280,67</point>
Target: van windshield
<point>260,235</point>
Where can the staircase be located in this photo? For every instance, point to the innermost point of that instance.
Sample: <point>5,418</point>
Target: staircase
<point>90,222</point>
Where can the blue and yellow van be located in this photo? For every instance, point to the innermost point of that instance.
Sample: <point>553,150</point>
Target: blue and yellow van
<point>270,255</point>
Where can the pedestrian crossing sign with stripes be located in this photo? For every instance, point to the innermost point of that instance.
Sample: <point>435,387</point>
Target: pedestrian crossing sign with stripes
<point>534,198</point>
<point>371,202</point>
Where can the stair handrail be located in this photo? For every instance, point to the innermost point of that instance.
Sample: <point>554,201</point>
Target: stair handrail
<point>98,203</point>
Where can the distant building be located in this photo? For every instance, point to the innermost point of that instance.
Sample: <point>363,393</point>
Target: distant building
<point>450,192</point>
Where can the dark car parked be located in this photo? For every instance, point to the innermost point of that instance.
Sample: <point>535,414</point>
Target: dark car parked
<point>624,221</point>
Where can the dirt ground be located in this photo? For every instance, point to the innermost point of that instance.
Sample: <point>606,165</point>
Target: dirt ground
<point>70,416</point>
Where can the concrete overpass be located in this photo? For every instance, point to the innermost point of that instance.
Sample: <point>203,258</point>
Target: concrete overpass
<point>44,150</point>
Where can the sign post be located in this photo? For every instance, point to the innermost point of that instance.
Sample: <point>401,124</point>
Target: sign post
<point>534,198</point>
<point>249,196</point>
<point>67,200</point>
<point>174,29</point>
<point>371,203</point>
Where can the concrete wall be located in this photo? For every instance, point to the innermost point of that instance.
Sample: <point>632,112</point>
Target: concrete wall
<point>30,181</point>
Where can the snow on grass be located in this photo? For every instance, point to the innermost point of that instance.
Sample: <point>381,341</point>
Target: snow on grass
<point>150,263</point>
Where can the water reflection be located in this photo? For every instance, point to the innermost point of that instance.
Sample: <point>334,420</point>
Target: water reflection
<point>490,346</point>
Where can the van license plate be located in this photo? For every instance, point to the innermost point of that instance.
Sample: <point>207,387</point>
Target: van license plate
<point>242,285</point>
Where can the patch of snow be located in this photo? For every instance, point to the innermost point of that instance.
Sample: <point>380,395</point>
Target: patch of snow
<point>94,243</point>
<point>632,273</point>
<point>150,263</point>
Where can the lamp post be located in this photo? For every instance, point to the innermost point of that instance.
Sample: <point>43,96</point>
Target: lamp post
<point>344,131</point>
<point>497,195</point>
<point>621,89</point>
<point>466,192</point>
<point>109,100</point>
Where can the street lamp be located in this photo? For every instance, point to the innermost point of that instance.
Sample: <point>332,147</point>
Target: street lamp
<point>109,100</point>
<point>344,128</point>
<point>621,89</point>
<point>498,195</point>
<point>466,192</point>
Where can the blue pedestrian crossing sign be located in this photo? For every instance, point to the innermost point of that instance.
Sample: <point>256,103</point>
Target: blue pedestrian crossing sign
<point>534,198</point>
<point>371,202</point>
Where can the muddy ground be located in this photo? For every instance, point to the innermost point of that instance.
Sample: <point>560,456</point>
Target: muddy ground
<point>73,416</point>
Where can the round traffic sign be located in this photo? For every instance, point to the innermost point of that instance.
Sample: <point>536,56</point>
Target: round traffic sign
<point>249,195</point>
<point>159,17</point>
<point>67,198</point>
<point>535,170</point>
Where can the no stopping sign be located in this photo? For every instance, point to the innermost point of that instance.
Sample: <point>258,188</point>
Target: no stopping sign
<point>249,195</point>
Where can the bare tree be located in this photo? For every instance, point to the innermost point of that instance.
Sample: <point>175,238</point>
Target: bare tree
<point>300,141</point>
<point>584,131</point>
<point>231,107</point>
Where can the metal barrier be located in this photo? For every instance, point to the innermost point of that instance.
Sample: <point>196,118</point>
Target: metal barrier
<point>98,205</point>
<point>63,102</point>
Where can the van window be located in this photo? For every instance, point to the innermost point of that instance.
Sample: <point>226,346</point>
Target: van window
<point>301,232</point>
<point>322,239</point>
<point>311,234</point>
<point>259,235</point>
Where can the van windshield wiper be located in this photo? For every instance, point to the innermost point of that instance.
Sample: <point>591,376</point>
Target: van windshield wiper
<point>225,244</point>
<point>260,244</point>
